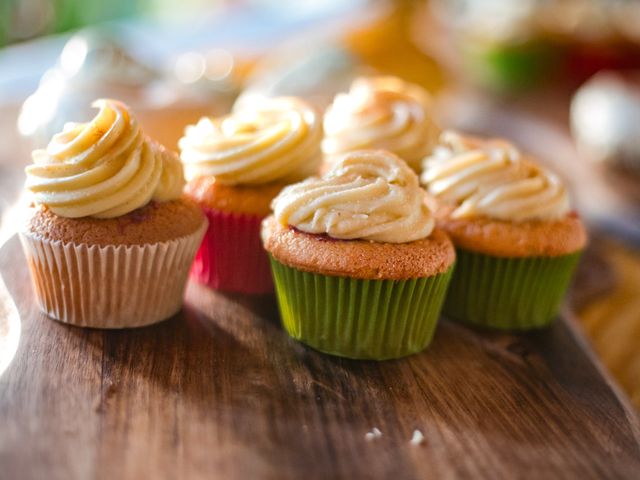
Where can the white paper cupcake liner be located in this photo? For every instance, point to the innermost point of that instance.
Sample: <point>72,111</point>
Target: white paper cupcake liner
<point>113,286</point>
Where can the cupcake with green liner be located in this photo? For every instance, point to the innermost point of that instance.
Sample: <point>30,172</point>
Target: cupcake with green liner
<point>517,239</point>
<point>359,269</point>
<point>381,113</point>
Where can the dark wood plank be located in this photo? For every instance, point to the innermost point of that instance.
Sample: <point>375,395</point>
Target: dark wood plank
<point>220,391</point>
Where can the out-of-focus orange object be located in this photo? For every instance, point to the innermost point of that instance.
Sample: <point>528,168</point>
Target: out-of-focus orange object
<point>388,45</point>
<point>613,322</point>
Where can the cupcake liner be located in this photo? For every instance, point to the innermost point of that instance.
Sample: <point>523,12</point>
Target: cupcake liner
<point>355,318</point>
<point>231,256</point>
<point>111,286</point>
<point>508,293</point>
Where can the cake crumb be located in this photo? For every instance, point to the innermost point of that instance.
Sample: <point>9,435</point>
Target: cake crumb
<point>374,434</point>
<point>417,438</point>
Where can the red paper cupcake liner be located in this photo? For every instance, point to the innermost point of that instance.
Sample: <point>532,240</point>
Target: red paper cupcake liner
<point>231,256</point>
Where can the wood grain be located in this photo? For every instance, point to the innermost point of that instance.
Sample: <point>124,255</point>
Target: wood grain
<point>220,391</point>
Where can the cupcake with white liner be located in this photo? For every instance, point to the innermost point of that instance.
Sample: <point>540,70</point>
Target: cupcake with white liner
<point>109,239</point>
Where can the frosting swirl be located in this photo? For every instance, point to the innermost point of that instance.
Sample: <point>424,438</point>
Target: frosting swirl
<point>277,140</point>
<point>367,194</point>
<point>492,178</point>
<point>104,168</point>
<point>385,113</point>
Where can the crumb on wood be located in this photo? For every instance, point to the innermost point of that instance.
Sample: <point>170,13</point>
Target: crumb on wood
<point>417,438</point>
<point>374,434</point>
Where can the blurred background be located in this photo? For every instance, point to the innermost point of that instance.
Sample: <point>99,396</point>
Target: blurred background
<point>561,78</point>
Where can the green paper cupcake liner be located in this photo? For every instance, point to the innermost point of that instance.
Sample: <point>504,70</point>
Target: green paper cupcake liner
<point>508,293</point>
<point>356,318</point>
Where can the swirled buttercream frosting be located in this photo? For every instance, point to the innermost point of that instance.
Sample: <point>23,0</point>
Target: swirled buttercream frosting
<point>367,195</point>
<point>492,178</point>
<point>381,113</point>
<point>276,140</point>
<point>104,168</point>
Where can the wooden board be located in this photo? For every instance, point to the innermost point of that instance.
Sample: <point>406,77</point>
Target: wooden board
<point>220,391</point>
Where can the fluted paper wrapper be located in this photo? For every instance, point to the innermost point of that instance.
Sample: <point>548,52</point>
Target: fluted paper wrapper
<point>356,318</point>
<point>231,256</point>
<point>111,286</point>
<point>508,293</point>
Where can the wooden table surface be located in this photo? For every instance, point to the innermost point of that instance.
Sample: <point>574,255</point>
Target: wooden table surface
<point>220,391</point>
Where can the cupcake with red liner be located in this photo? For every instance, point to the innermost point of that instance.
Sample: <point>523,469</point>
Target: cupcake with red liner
<point>360,271</point>
<point>517,239</point>
<point>235,165</point>
<point>381,113</point>
<point>110,239</point>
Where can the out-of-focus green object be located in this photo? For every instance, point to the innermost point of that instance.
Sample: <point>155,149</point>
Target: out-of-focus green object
<point>511,67</point>
<point>72,14</point>
<point>510,45</point>
<point>24,19</point>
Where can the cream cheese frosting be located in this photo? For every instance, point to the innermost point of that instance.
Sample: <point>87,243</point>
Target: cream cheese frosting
<point>368,195</point>
<point>104,168</point>
<point>276,140</point>
<point>492,178</point>
<point>381,113</point>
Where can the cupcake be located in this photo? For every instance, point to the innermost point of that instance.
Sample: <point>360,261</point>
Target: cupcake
<point>517,240</point>
<point>109,241</point>
<point>359,269</point>
<point>235,165</point>
<point>381,113</point>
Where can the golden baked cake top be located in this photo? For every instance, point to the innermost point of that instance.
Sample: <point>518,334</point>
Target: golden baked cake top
<point>155,222</point>
<point>358,258</point>
<point>529,238</point>
<point>492,178</point>
<point>104,168</point>
<point>381,113</point>
<point>275,139</point>
<point>239,199</point>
